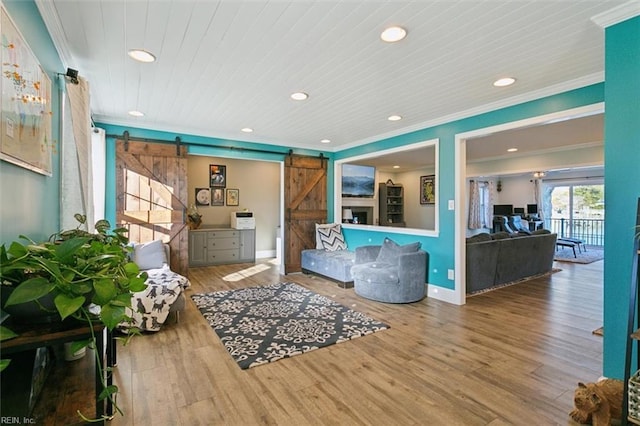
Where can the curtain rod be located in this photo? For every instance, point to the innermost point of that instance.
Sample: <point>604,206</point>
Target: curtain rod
<point>126,137</point>
<point>571,179</point>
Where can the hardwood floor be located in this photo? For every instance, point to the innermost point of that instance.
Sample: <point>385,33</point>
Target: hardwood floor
<point>510,356</point>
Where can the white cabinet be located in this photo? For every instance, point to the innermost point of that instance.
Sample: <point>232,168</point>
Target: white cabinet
<point>216,246</point>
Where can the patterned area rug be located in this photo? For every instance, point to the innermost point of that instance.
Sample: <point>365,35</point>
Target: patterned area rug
<point>258,325</point>
<point>592,254</point>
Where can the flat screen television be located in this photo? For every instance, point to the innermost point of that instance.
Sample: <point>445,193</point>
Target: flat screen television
<point>532,209</point>
<point>358,181</point>
<point>503,209</point>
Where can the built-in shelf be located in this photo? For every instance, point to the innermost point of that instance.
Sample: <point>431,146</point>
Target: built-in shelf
<point>391,204</point>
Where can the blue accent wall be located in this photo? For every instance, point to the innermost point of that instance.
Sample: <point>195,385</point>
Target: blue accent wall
<point>29,201</point>
<point>622,183</point>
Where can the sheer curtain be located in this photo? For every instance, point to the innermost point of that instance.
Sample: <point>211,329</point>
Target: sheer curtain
<point>475,210</point>
<point>537,196</point>
<point>488,205</point>
<point>78,158</point>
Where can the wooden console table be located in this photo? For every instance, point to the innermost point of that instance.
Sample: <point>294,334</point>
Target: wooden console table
<point>32,336</point>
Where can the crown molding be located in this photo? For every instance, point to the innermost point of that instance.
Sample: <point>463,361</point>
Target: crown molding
<point>493,106</point>
<point>617,14</point>
<point>49,15</point>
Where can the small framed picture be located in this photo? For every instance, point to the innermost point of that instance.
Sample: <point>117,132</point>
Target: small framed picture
<point>428,189</point>
<point>203,196</point>
<point>233,197</point>
<point>217,196</point>
<point>217,176</point>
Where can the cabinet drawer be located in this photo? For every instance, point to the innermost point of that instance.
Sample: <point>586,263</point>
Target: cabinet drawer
<point>223,243</point>
<point>223,234</point>
<point>223,256</point>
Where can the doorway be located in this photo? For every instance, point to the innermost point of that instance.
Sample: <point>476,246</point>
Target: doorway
<point>461,165</point>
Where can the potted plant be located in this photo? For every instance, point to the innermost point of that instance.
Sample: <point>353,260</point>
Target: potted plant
<point>77,275</point>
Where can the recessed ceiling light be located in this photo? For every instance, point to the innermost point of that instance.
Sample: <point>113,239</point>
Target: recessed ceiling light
<point>396,167</point>
<point>394,117</point>
<point>393,34</point>
<point>141,55</point>
<point>299,96</point>
<point>325,141</point>
<point>246,129</point>
<point>136,113</point>
<point>512,149</point>
<point>506,81</point>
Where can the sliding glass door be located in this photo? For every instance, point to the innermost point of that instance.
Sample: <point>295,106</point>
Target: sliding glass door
<point>576,210</point>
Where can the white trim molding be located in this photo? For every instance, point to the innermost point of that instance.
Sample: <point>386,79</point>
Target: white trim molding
<point>617,14</point>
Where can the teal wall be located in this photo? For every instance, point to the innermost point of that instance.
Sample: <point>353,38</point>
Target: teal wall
<point>441,248</point>
<point>201,145</point>
<point>622,182</point>
<point>29,201</point>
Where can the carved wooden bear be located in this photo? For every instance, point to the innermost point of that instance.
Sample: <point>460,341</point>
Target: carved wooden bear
<point>598,403</point>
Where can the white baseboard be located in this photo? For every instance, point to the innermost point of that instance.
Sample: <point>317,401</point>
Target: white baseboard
<point>444,294</point>
<point>264,254</point>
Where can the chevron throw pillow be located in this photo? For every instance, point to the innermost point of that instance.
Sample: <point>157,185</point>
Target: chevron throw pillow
<point>331,238</point>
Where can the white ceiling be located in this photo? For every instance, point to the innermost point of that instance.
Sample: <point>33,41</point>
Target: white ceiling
<point>225,65</point>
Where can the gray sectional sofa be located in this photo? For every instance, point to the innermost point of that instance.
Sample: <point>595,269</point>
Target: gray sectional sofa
<point>500,258</point>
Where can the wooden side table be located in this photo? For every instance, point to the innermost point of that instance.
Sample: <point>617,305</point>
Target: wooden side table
<point>32,336</point>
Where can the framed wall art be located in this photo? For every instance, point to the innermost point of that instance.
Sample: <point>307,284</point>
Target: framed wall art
<point>217,196</point>
<point>233,197</point>
<point>428,189</point>
<point>217,176</point>
<point>25,133</point>
<point>203,196</point>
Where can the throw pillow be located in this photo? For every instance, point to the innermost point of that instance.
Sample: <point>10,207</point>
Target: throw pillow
<point>331,238</point>
<point>149,255</point>
<point>390,251</point>
<point>319,245</point>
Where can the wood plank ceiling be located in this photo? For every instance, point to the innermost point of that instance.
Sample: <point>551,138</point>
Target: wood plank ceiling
<point>225,65</point>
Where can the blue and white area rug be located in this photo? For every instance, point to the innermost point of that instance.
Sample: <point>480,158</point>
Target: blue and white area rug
<point>258,325</point>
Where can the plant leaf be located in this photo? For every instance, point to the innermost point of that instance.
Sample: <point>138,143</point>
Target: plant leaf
<point>131,269</point>
<point>17,250</point>
<point>80,218</point>
<point>112,315</point>
<point>108,391</point>
<point>65,252</point>
<point>68,305</point>
<point>102,226</point>
<point>4,363</point>
<point>105,291</point>
<point>31,289</point>
<point>6,334</point>
<point>76,346</point>
<point>137,284</point>
<point>123,299</point>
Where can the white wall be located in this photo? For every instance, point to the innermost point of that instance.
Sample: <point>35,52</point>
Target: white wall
<point>416,215</point>
<point>258,183</point>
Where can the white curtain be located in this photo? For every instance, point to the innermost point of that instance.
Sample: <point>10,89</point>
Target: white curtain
<point>537,196</point>
<point>98,169</point>
<point>488,205</point>
<point>77,169</point>
<point>475,214</point>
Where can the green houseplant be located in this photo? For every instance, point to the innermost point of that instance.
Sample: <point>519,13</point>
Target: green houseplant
<point>76,275</point>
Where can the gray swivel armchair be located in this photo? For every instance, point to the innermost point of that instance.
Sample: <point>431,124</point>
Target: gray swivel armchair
<point>390,273</point>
